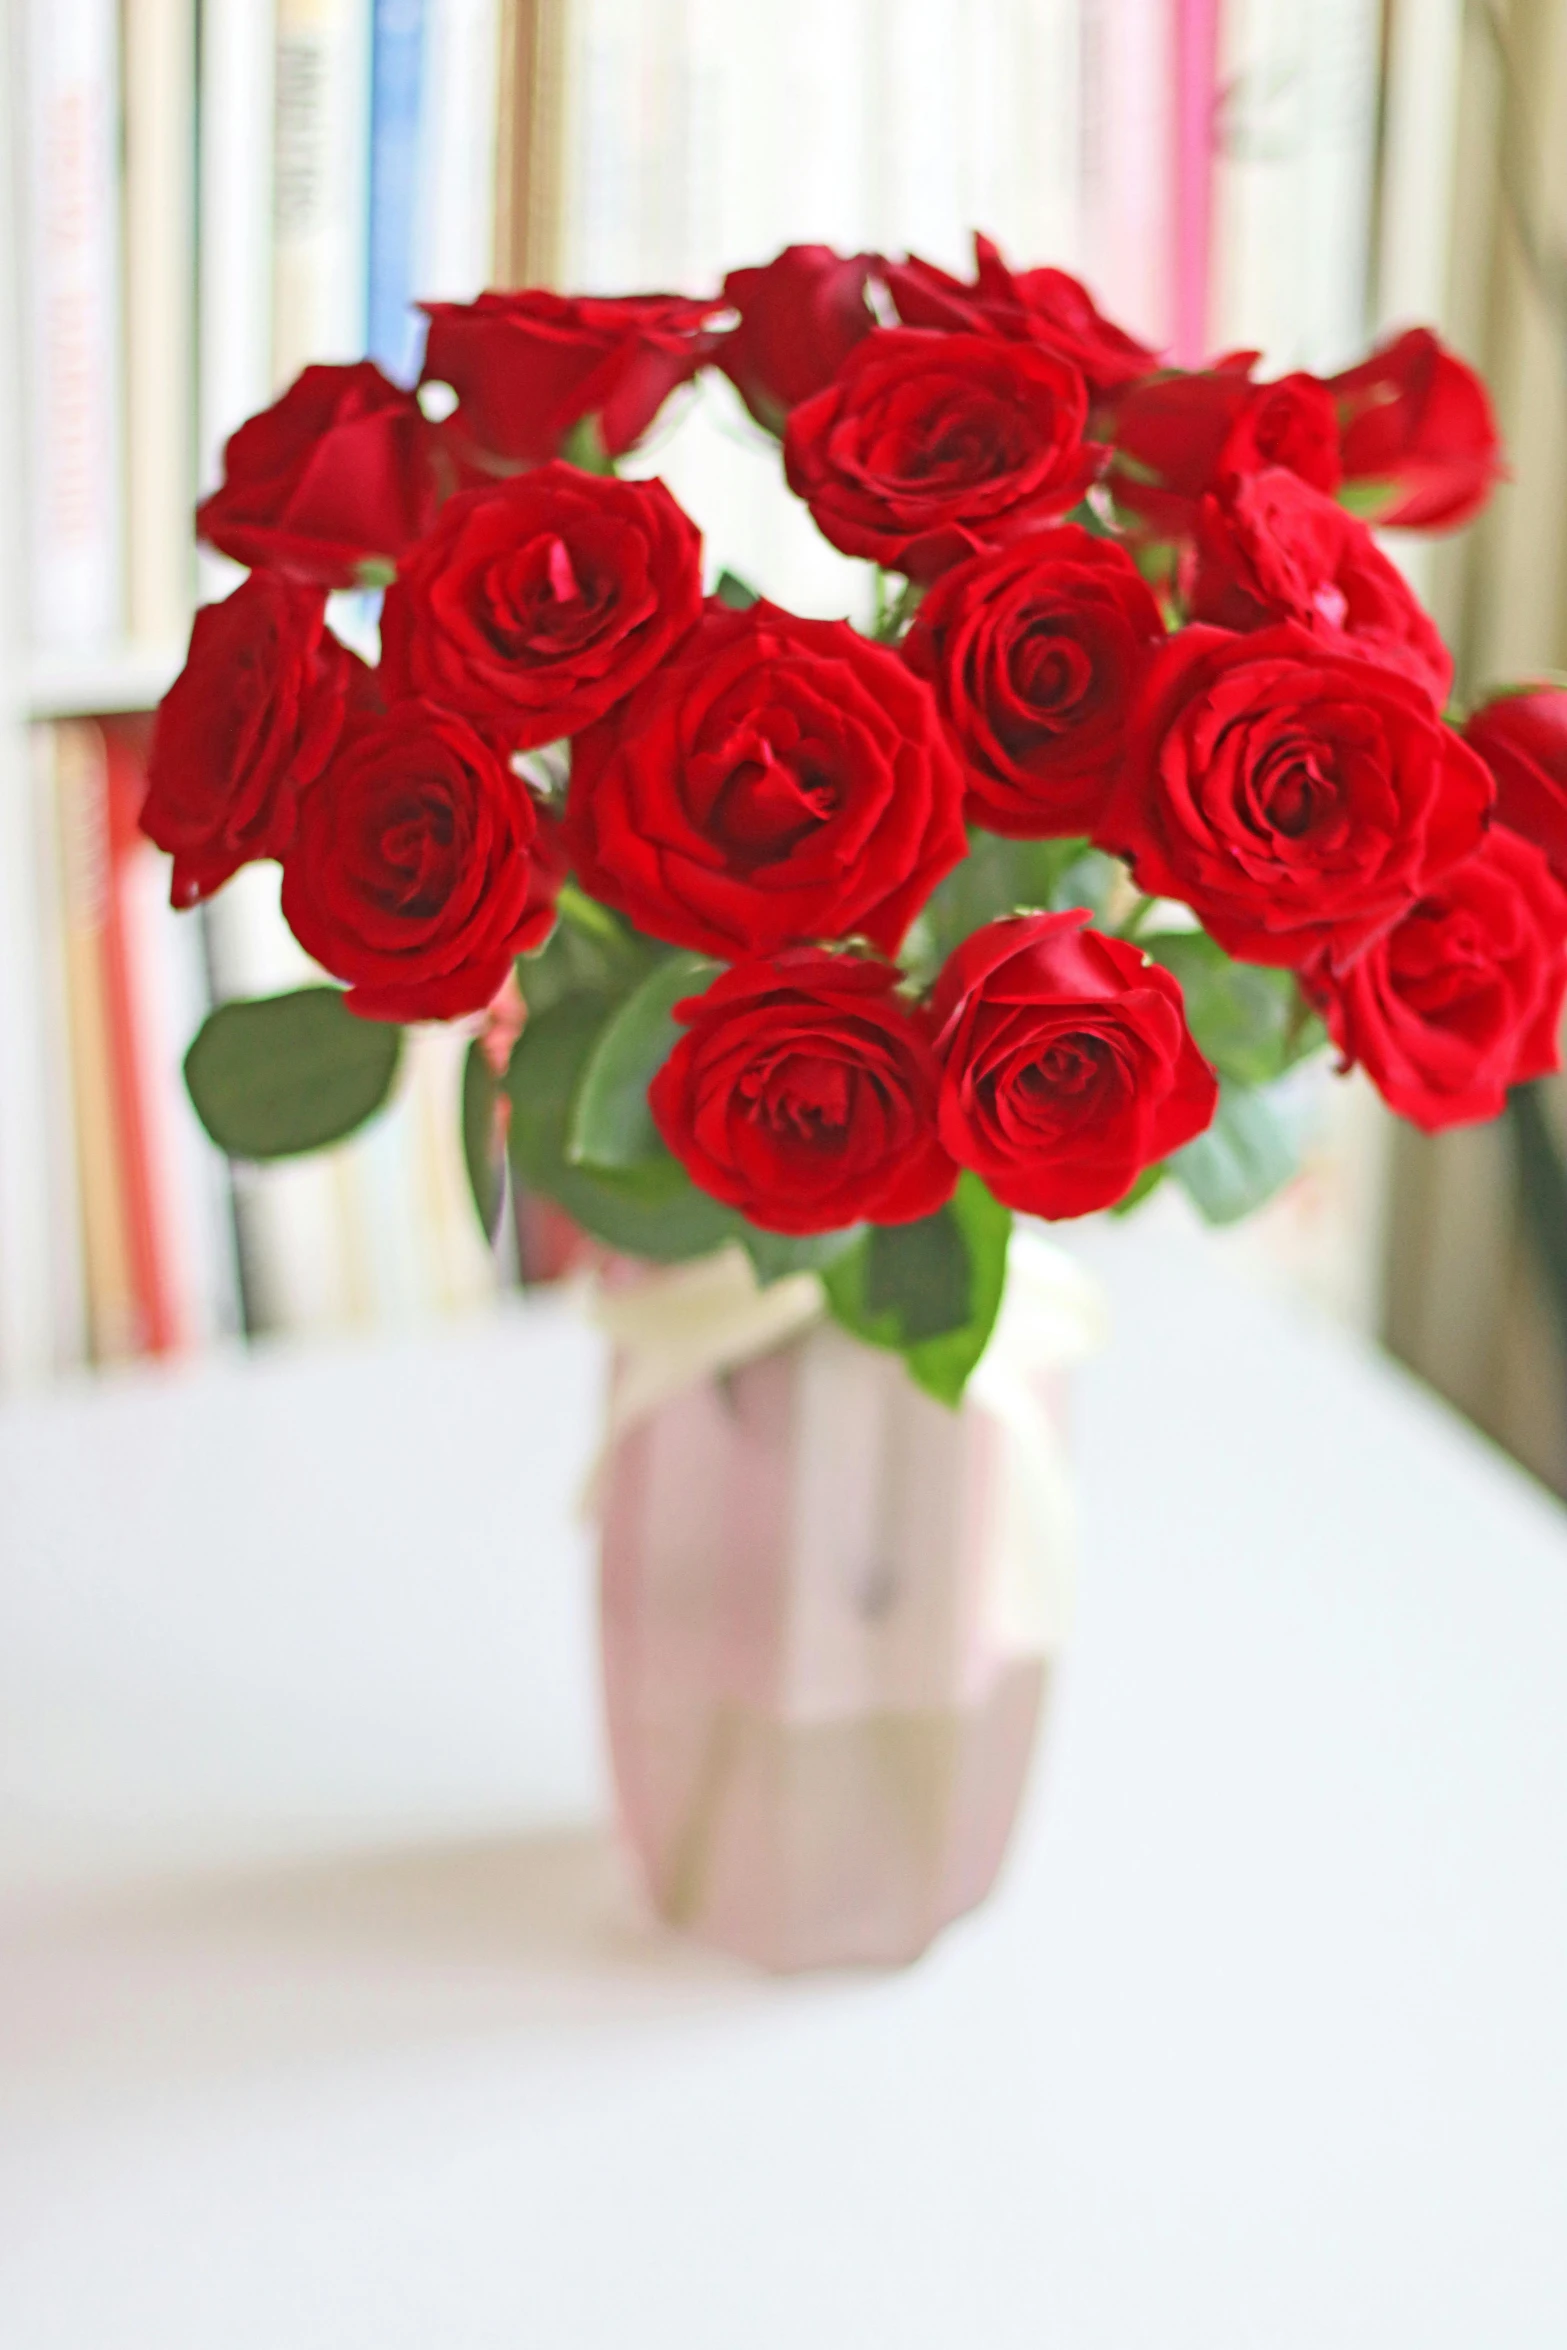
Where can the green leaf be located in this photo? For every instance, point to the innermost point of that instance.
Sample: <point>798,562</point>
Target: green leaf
<point>1251,1021</point>
<point>773,1254</point>
<point>901,1295</point>
<point>1149,1180</point>
<point>375,571</point>
<point>1367,499</point>
<point>483,1151</point>
<point>736,592</point>
<point>920,1272</point>
<point>611,1124</point>
<point>589,952</point>
<point>584,447</point>
<point>280,1075</point>
<point>650,1210</point>
<point>1247,1154</point>
<point>1001,876</point>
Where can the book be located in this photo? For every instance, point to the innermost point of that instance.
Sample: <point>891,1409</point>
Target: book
<point>179,1202</point>
<point>394,332</point>
<point>160,314</point>
<point>116,1301</point>
<point>1293,180</point>
<point>321,183</point>
<point>1127,161</point>
<point>454,225</point>
<point>71,321</point>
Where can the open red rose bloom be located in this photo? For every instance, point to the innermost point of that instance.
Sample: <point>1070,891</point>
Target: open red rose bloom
<point>1132,783</point>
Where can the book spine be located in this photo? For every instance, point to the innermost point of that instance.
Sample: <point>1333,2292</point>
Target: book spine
<point>396,129</point>
<point>454,223</point>
<point>72,325</point>
<point>115,1305</point>
<point>1196,108</point>
<point>321,183</point>
<point>234,240</point>
<point>1128,134</point>
<point>160,322</point>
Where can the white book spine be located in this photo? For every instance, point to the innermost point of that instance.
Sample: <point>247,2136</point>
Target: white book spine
<point>454,250</point>
<point>72,322</point>
<point>160,285</point>
<point>321,183</point>
<point>234,241</point>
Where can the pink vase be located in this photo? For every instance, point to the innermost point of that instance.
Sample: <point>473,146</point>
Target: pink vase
<point>829,1606</point>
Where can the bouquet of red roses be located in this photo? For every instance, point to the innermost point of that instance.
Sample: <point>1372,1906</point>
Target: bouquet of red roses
<point>847,943</point>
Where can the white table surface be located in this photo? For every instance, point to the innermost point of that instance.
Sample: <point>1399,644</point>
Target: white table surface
<point>327,2021</point>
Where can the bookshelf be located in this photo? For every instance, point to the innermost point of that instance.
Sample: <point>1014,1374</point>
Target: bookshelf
<point>122,678</point>
<point>605,144</point>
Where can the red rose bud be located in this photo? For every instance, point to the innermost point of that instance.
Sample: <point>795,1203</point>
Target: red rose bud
<point>1462,999</point>
<point>927,447</point>
<point>1522,737</point>
<point>800,317</point>
<point>336,476</point>
<point>1068,1066</point>
<point>1270,548</point>
<point>536,604</point>
<point>1297,799</point>
<point>804,1094</point>
<point>1036,652</point>
<point>776,780</point>
<point>1043,306</point>
<point>1418,435</point>
<point>252,718</point>
<point>419,868</point>
<point>528,368</point>
<point>1179,436</point>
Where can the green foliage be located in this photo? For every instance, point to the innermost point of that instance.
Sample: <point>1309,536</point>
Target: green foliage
<point>652,1209</point>
<point>1251,1021</point>
<point>280,1075</point>
<point>773,1254</point>
<point>929,1291</point>
<point>999,877</point>
<point>736,592</point>
<point>611,1124</point>
<point>1247,1154</point>
<point>584,447</point>
<point>483,1152</point>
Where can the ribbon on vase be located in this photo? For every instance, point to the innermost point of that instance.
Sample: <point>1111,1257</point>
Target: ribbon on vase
<point>676,1326</point>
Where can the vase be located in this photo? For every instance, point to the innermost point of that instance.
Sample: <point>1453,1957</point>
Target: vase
<point>830,1612</point>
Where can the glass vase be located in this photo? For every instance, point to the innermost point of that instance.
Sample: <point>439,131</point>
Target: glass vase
<point>830,1611</point>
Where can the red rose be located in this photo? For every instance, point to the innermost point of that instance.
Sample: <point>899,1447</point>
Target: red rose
<point>253,716</point>
<point>418,868</point>
<point>800,317</point>
<point>926,447</point>
<point>1296,798</point>
<point>1462,999</point>
<point>1067,1063</point>
<point>1522,737</point>
<point>1179,436</point>
<point>1035,652</point>
<point>336,475</point>
<point>1043,306</point>
<point>536,604</point>
<point>528,367</point>
<point>777,780</point>
<point>1271,548</point>
<point>1418,435</point>
<point>804,1094</point>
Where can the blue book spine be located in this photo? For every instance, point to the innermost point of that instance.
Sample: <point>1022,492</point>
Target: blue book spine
<point>396,108</point>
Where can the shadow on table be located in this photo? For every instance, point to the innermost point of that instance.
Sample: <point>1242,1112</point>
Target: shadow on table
<point>501,1936</point>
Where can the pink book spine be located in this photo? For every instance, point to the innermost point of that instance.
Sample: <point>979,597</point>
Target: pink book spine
<point>1196,102</point>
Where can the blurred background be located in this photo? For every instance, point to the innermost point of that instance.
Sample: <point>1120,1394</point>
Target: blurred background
<point>199,196</point>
